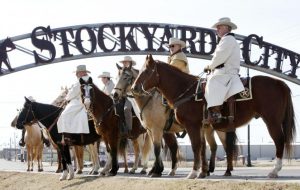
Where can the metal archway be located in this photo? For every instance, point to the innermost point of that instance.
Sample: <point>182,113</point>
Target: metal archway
<point>45,46</point>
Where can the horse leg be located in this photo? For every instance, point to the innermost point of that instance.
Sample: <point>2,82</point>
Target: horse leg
<point>94,154</point>
<point>107,166</point>
<point>229,146</point>
<point>158,166</point>
<point>171,142</point>
<point>204,165</point>
<point>125,161</point>
<point>210,138</point>
<point>40,158</point>
<point>136,149</point>
<point>278,139</point>
<point>114,160</point>
<point>28,157</point>
<point>59,162</point>
<point>146,153</point>
<point>78,158</point>
<point>196,145</point>
<point>67,164</point>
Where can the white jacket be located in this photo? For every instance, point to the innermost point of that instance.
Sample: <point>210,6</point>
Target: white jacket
<point>224,82</point>
<point>74,118</point>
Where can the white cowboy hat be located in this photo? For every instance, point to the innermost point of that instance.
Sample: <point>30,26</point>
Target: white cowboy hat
<point>128,58</point>
<point>225,21</point>
<point>104,74</point>
<point>176,41</point>
<point>81,68</point>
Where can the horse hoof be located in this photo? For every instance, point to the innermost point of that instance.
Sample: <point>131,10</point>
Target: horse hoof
<point>272,175</point>
<point>227,173</point>
<point>155,175</point>
<point>126,171</point>
<point>202,175</point>
<point>28,170</point>
<point>102,173</point>
<point>143,172</point>
<point>40,170</point>
<point>79,172</point>
<point>95,173</point>
<point>132,171</point>
<point>171,173</point>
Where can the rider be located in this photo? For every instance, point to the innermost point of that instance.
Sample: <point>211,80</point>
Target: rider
<point>74,117</point>
<point>177,58</point>
<point>108,83</point>
<point>224,80</point>
<point>127,62</point>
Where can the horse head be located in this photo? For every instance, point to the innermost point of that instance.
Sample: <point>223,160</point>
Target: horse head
<point>7,43</point>
<point>86,91</point>
<point>61,99</point>
<point>26,114</point>
<point>148,77</point>
<point>127,75</point>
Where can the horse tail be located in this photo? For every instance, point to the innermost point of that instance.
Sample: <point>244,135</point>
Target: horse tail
<point>288,124</point>
<point>122,146</point>
<point>231,144</point>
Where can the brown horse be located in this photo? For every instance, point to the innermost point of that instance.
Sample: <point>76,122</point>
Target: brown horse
<point>154,115</point>
<point>101,107</point>
<point>271,101</point>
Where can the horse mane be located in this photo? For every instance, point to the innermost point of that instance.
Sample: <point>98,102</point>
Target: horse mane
<point>176,71</point>
<point>101,93</point>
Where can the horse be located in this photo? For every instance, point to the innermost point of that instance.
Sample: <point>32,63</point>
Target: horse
<point>79,149</point>
<point>101,107</point>
<point>153,114</point>
<point>7,43</point>
<point>47,115</point>
<point>271,100</point>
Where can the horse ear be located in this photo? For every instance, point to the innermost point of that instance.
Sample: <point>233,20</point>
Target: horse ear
<point>118,66</point>
<point>26,99</point>
<point>81,81</point>
<point>90,80</point>
<point>150,57</point>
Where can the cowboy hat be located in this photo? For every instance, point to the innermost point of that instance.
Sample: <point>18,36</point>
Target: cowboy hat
<point>128,58</point>
<point>81,68</point>
<point>176,41</point>
<point>104,74</point>
<point>225,21</point>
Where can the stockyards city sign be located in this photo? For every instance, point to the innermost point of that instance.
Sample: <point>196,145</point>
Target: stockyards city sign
<point>45,45</point>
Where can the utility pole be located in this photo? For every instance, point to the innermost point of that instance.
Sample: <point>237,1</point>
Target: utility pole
<point>248,144</point>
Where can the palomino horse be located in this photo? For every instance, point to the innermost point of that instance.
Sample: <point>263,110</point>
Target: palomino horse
<point>271,101</point>
<point>7,43</point>
<point>48,115</point>
<point>154,116</point>
<point>101,107</point>
<point>34,146</point>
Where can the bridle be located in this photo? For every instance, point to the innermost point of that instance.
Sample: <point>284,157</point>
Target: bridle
<point>153,72</point>
<point>87,97</point>
<point>36,120</point>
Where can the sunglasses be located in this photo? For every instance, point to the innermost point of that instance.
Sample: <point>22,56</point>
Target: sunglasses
<point>171,46</point>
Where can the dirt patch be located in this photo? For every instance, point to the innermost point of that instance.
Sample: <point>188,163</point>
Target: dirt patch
<point>32,181</point>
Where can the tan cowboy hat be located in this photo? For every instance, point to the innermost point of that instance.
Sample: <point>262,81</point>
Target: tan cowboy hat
<point>176,41</point>
<point>81,68</point>
<point>128,58</point>
<point>104,74</point>
<point>225,21</point>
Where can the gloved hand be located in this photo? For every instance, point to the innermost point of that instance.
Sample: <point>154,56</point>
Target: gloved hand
<point>207,69</point>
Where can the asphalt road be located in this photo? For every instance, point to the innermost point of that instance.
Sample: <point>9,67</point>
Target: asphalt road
<point>287,174</point>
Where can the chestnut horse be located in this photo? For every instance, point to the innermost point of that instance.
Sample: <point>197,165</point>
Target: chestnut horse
<point>47,115</point>
<point>154,115</point>
<point>271,101</point>
<point>101,107</point>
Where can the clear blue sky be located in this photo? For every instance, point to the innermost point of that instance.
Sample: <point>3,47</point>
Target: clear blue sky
<point>276,20</point>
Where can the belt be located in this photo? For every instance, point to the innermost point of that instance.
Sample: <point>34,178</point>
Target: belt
<point>219,66</point>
